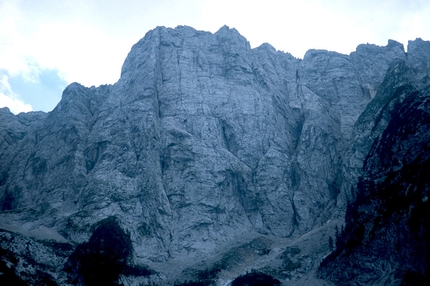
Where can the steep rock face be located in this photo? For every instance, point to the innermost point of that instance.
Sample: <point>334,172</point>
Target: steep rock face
<point>201,140</point>
<point>386,237</point>
<point>375,118</point>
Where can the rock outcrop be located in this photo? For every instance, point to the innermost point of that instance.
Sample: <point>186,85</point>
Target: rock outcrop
<point>201,140</point>
<point>386,237</point>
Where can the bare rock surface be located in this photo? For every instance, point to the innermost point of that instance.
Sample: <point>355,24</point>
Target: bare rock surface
<point>201,141</point>
<point>385,241</point>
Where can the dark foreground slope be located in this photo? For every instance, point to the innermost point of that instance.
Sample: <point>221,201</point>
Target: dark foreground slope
<point>206,154</point>
<point>387,236</point>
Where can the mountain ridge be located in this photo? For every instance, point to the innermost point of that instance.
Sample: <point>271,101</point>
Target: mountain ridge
<point>201,140</point>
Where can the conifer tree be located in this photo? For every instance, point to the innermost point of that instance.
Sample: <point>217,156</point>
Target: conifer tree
<point>330,244</point>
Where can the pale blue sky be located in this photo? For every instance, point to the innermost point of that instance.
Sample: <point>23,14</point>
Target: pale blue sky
<point>47,44</point>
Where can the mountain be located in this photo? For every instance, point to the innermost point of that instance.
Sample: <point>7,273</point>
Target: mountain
<point>204,151</point>
<point>386,240</point>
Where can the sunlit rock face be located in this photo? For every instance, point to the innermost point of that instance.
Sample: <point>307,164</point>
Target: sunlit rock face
<point>201,140</point>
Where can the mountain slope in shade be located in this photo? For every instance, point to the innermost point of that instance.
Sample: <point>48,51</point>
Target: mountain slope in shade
<point>386,237</point>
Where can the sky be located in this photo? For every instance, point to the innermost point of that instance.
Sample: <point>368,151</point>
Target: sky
<point>47,44</point>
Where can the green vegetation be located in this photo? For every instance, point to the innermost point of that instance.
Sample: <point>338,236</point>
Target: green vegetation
<point>8,275</point>
<point>255,279</point>
<point>287,263</point>
<point>8,271</point>
<point>330,244</point>
<point>204,278</point>
<point>101,260</point>
<point>291,251</point>
<point>191,283</point>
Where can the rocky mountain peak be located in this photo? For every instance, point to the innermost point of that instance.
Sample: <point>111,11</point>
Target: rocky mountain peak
<point>201,142</point>
<point>231,35</point>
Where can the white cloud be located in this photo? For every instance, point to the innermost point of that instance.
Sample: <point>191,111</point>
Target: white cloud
<point>88,40</point>
<point>9,99</point>
<point>30,45</point>
<point>15,105</point>
<point>291,26</point>
<point>296,26</point>
<point>414,25</point>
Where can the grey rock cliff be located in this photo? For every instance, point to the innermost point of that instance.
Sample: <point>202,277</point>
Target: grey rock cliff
<point>386,237</point>
<point>202,140</point>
